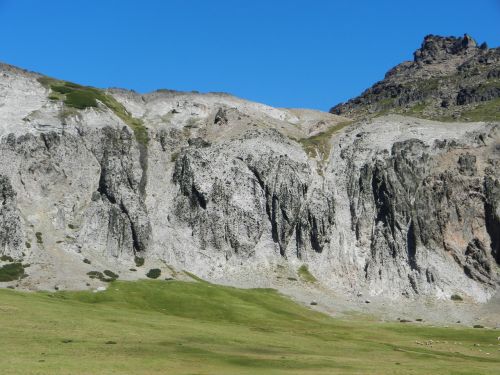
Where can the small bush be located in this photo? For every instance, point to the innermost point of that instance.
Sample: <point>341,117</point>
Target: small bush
<point>456,297</point>
<point>110,274</point>
<point>102,276</point>
<point>39,238</point>
<point>292,278</point>
<point>95,275</point>
<point>86,261</point>
<point>71,226</point>
<point>11,272</point>
<point>478,326</point>
<point>139,262</point>
<point>154,273</point>
<point>6,258</point>
<point>28,245</point>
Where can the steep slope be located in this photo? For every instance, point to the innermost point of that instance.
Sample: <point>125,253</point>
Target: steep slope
<point>242,193</point>
<point>449,79</point>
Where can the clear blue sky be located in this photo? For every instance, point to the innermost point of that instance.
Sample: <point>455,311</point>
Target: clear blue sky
<point>286,53</point>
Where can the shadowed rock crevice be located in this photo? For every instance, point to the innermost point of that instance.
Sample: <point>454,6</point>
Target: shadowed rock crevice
<point>121,182</point>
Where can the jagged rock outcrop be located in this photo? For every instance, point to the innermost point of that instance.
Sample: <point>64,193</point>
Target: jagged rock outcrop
<point>11,231</point>
<point>242,193</point>
<point>449,78</point>
<point>232,193</point>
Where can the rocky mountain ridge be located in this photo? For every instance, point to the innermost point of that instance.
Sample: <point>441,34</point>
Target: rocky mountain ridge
<point>449,79</point>
<point>242,193</point>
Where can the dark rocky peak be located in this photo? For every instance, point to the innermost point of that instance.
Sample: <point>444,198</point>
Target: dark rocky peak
<point>437,48</point>
<point>450,78</point>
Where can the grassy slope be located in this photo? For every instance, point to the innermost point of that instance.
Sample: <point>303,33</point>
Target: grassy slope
<point>198,328</point>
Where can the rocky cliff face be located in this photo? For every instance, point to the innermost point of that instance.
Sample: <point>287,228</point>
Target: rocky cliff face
<point>449,79</point>
<point>242,193</point>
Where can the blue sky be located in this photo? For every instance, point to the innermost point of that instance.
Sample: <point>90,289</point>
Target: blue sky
<point>286,53</point>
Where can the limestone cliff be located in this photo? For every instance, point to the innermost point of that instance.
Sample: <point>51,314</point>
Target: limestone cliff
<point>236,191</point>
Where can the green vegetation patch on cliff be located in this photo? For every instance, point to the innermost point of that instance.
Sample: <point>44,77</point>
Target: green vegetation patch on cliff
<point>319,145</point>
<point>82,97</point>
<point>11,272</point>
<point>305,274</point>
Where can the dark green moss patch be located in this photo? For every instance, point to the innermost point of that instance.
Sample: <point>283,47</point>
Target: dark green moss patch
<point>95,275</point>
<point>102,276</point>
<point>154,273</point>
<point>111,274</point>
<point>6,258</point>
<point>139,262</point>
<point>11,272</point>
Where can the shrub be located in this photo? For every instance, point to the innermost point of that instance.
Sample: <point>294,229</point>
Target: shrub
<point>6,258</point>
<point>139,261</point>
<point>102,275</point>
<point>86,261</point>
<point>95,275</point>
<point>11,272</point>
<point>110,274</point>
<point>28,245</point>
<point>456,297</point>
<point>39,237</point>
<point>478,326</point>
<point>154,273</point>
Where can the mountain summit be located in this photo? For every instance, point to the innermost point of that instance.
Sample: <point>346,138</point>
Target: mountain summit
<point>450,78</point>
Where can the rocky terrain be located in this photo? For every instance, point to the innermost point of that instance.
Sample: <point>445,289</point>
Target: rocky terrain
<point>449,79</point>
<point>99,184</point>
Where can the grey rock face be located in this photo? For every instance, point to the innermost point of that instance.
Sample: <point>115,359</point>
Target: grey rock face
<point>11,231</point>
<point>230,194</point>
<point>392,206</point>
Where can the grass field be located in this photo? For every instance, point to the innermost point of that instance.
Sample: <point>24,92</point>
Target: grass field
<point>170,327</point>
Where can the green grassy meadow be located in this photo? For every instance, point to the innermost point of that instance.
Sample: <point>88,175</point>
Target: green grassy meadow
<point>171,327</point>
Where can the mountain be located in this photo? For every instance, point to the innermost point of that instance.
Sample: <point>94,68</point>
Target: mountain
<point>99,184</point>
<point>449,79</point>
